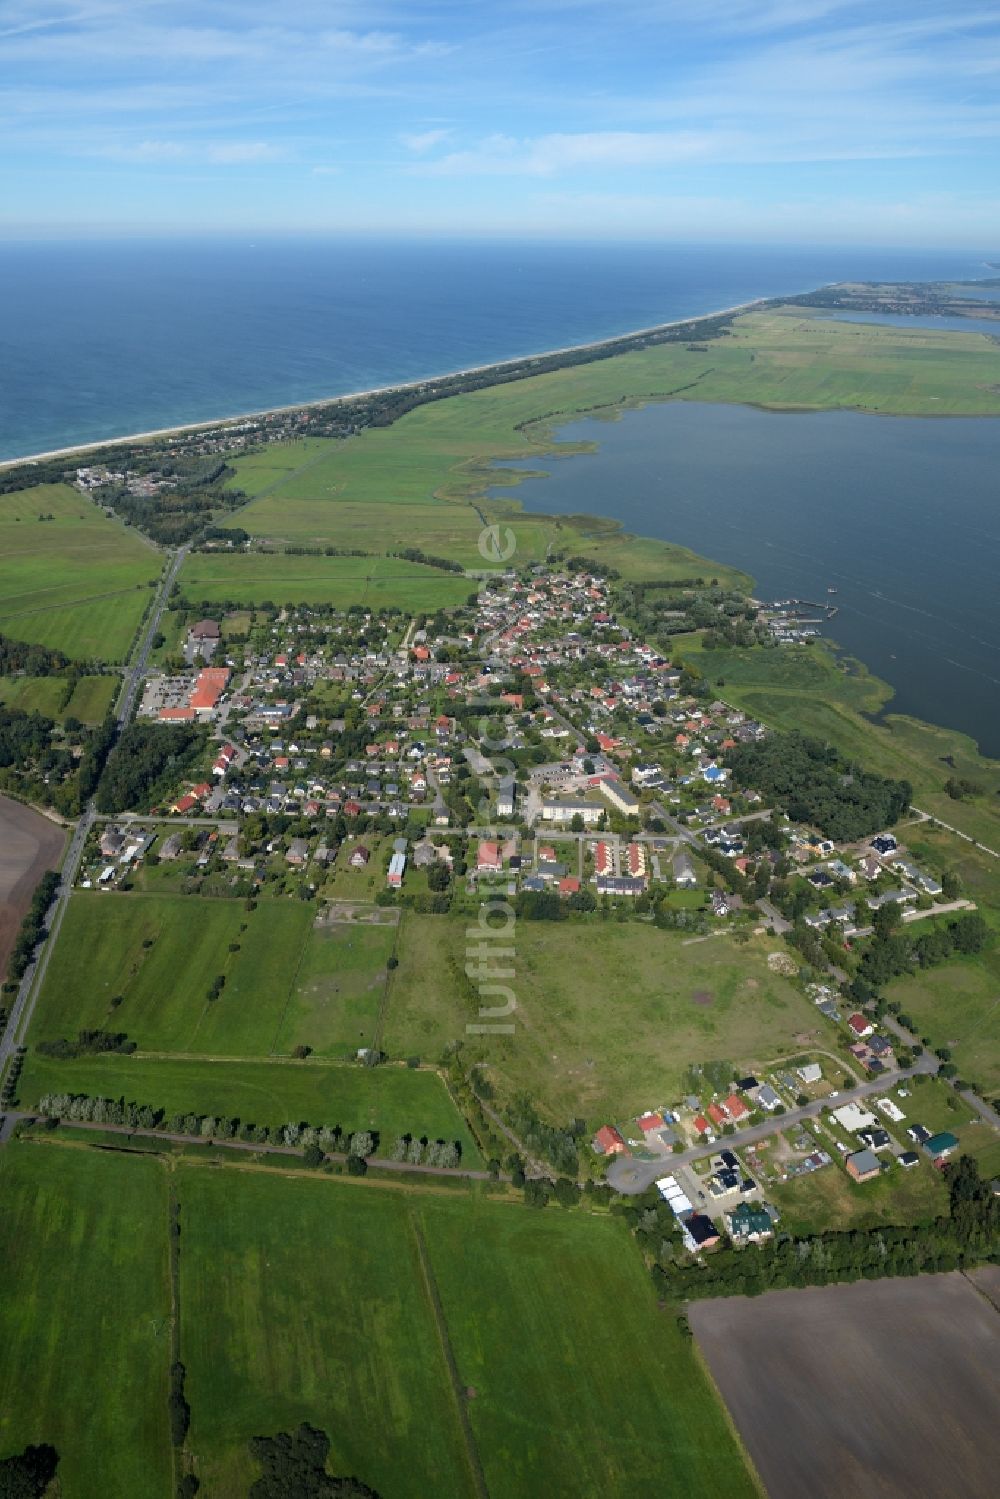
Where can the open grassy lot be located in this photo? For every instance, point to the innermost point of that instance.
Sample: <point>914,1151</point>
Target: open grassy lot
<point>90,701</point>
<point>553,1313</point>
<point>145,965</point>
<point>827,695</point>
<point>388,1100</point>
<point>76,582</point>
<point>84,1317</point>
<point>338,988</point>
<point>558,1313</point>
<point>958,1005</point>
<point>605,1038</point>
<point>381,582</point>
<point>829,1199</point>
<point>900,1376</point>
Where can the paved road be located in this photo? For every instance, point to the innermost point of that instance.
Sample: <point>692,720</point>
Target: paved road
<point>630,1176</point>
<point>20,1014</point>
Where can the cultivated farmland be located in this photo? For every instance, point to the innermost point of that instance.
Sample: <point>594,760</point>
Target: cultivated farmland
<point>551,1313</point>
<point>874,1389</point>
<point>86,1307</point>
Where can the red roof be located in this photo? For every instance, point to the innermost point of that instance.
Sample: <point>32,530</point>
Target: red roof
<point>650,1121</point>
<point>735,1107</point>
<point>859,1025</point>
<point>717,1115</point>
<point>421,653</point>
<point>569,886</point>
<point>610,1140</point>
<point>185,804</point>
<point>702,1125</point>
<point>175,715</point>
<point>209,687</point>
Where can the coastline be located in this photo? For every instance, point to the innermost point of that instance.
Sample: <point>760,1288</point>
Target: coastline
<point>324,402</point>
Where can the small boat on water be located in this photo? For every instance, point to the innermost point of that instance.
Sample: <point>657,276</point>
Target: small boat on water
<point>831,590</point>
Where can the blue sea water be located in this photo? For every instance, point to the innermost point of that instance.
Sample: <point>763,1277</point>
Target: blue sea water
<point>100,340</point>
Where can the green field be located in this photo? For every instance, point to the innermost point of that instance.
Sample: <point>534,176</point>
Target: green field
<point>829,1199</point>
<point>389,1100</point>
<point>416,482</point>
<point>608,1036</point>
<point>822,693</point>
<point>84,1317</point>
<point>90,701</point>
<point>154,959</point>
<point>334,1003</point>
<point>546,1315</point>
<point>162,987</point>
<point>380,582</point>
<point>76,583</point>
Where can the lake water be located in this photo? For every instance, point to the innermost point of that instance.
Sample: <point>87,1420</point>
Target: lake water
<point>99,340</point>
<point>900,514</point>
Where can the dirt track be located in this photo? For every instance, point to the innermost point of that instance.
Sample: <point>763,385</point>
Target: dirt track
<point>878,1390</point>
<point>29,845</point>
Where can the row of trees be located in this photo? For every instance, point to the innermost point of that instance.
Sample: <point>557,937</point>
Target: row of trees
<point>82,1108</point>
<point>32,927</point>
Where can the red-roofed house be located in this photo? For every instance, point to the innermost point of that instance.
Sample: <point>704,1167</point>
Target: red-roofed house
<point>718,1116</point>
<point>859,1025</point>
<point>650,1121</point>
<point>569,886</point>
<point>175,715</point>
<point>735,1107</point>
<point>488,859</point>
<point>701,1124</point>
<point>608,1141</point>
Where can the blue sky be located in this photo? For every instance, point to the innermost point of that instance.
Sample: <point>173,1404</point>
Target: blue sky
<point>744,120</point>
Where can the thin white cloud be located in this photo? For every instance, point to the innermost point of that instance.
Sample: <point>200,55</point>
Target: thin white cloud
<point>216,153</point>
<point>424,140</point>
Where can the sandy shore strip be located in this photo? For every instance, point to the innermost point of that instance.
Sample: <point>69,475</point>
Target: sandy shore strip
<point>382,390</point>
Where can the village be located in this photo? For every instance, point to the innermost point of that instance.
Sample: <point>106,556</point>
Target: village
<point>564,765</point>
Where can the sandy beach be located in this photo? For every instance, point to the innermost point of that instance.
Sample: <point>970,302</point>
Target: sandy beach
<point>376,390</point>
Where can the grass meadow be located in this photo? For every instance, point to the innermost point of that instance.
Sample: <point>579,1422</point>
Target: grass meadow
<point>77,582</point>
<point>85,1312</point>
<point>390,1101</point>
<point>90,701</point>
<point>416,482</point>
<point>609,1039</point>
<point>254,578</point>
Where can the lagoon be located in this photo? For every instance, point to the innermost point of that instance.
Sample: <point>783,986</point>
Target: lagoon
<point>901,515</point>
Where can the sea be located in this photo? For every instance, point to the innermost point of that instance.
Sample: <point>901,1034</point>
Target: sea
<point>900,515</point>
<point>101,340</point>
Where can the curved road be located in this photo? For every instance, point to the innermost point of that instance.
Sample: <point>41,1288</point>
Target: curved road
<point>630,1176</point>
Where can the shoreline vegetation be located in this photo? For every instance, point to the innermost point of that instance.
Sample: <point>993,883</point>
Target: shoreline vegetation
<point>913,298</point>
<point>522,366</point>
